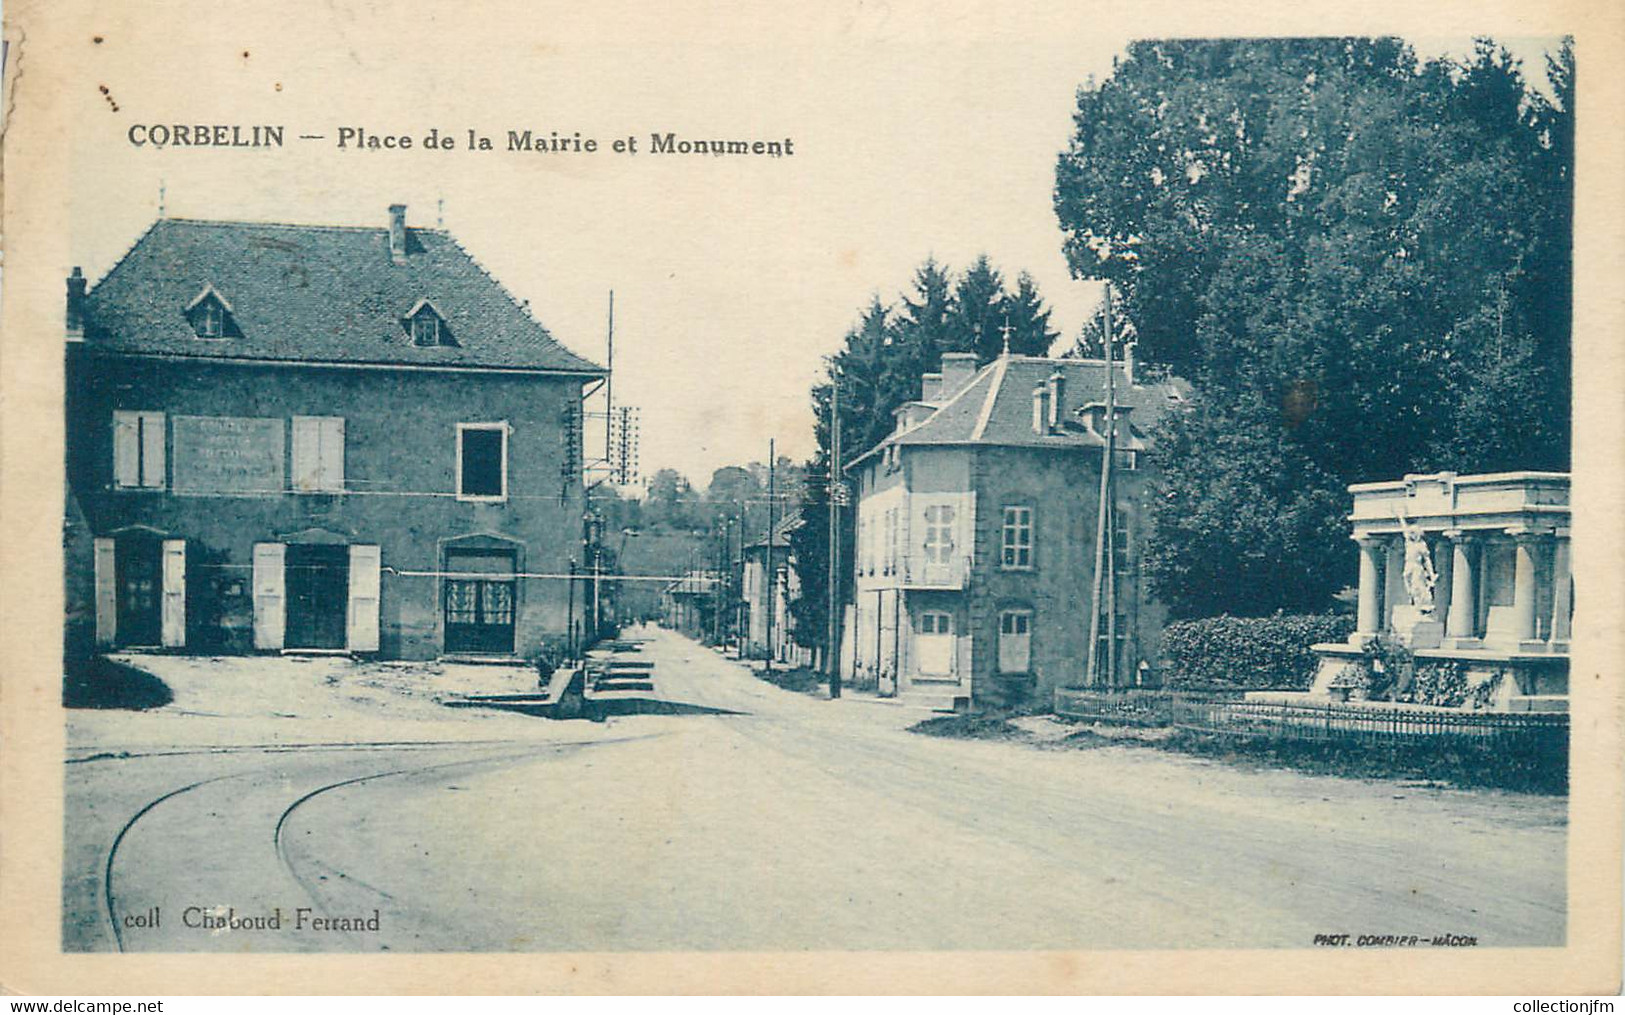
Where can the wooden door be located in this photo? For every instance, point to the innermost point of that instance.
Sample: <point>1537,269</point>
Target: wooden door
<point>140,578</point>
<point>318,596</point>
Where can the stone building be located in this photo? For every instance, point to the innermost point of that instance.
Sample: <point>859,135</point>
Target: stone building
<point>1469,569</point>
<point>764,593</point>
<point>976,525</point>
<point>294,437</point>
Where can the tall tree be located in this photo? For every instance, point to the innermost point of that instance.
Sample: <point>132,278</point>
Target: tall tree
<point>978,311</point>
<point>731,485</point>
<point>921,328</point>
<point>1028,319</point>
<point>1091,340</point>
<point>1366,251</point>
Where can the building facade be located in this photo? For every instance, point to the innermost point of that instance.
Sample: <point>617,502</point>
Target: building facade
<point>976,522</point>
<point>767,592</point>
<point>312,438</point>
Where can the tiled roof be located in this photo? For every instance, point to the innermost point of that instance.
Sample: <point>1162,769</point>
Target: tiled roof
<point>324,294</point>
<point>781,532</point>
<point>996,407</point>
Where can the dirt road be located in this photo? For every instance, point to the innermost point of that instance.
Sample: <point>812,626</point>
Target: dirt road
<point>792,823</point>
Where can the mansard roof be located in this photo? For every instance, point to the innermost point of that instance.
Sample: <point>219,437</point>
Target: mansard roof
<point>995,408</point>
<point>314,294</point>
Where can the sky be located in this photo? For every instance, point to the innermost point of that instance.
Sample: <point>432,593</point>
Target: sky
<point>917,132</point>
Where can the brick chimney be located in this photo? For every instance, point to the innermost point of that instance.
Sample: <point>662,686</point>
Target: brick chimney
<point>1057,400</point>
<point>957,370</point>
<point>1042,408</point>
<point>1128,361</point>
<point>930,387</point>
<point>76,305</point>
<point>397,233</point>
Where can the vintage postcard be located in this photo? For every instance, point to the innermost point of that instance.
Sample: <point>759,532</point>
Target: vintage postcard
<point>874,498</point>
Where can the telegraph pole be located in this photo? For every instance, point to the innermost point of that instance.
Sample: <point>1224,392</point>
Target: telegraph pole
<point>770,582</point>
<point>597,530</point>
<point>1104,571</point>
<point>832,653</point>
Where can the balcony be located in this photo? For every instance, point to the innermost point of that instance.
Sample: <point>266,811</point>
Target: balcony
<point>925,573</point>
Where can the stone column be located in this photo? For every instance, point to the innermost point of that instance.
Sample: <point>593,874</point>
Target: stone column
<point>1393,580</point>
<point>1459,624</point>
<point>1562,592</point>
<point>1523,585</point>
<point>1368,620</point>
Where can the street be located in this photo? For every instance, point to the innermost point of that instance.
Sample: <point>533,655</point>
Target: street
<point>783,821</point>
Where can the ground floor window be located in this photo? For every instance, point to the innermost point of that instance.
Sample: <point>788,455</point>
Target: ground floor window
<point>480,601</point>
<point>1015,641</point>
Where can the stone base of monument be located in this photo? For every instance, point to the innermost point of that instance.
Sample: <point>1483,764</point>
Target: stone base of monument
<point>1416,629</point>
<point>1525,682</point>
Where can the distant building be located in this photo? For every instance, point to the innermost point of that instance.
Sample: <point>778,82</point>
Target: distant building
<point>765,594</point>
<point>689,605</point>
<point>295,437</point>
<point>976,527</point>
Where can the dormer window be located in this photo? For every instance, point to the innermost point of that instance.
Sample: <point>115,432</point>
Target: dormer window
<point>427,326</point>
<point>426,329</point>
<point>210,314</point>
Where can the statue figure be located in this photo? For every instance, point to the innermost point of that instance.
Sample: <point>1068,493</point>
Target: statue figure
<point>1420,578</point>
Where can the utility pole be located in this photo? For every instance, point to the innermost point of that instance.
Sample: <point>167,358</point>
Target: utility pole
<point>609,385</point>
<point>596,529</point>
<point>1104,542</point>
<point>832,652</point>
<point>719,589</point>
<point>570,616</point>
<point>770,581</point>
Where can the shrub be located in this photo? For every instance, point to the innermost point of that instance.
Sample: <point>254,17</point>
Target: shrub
<point>1248,653</point>
<point>99,682</point>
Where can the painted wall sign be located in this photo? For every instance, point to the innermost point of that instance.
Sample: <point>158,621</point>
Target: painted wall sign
<point>228,454</point>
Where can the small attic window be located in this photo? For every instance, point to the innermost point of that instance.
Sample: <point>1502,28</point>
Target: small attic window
<point>210,315</point>
<point>426,329</point>
<point>427,326</point>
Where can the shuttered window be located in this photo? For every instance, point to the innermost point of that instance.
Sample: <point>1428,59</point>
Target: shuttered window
<point>318,454</point>
<point>138,450</point>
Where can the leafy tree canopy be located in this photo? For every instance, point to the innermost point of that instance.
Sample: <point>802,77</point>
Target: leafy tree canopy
<point>1360,258</point>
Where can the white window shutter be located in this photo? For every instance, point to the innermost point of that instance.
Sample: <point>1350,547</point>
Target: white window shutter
<point>362,627</point>
<point>106,592</point>
<point>152,449</point>
<point>332,470</point>
<point>269,615</point>
<point>173,614</point>
<point>307,453</point>
<point>126,449</point>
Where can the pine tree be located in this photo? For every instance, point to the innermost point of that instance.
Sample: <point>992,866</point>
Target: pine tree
<point>921,329</point>
<point>978,312</point>
<point>1028,318</point>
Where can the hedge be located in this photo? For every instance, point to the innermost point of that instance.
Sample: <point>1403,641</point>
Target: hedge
<point>1248,653</point>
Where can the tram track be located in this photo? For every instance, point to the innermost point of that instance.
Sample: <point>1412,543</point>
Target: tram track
<point>308,885</point>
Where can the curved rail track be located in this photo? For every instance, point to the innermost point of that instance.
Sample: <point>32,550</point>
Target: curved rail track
<point>109,895</point>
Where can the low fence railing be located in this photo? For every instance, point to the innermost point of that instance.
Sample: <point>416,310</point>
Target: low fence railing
<point>1231,713</point>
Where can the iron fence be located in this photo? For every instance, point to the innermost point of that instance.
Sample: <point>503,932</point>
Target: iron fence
<point>1233,714</point>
